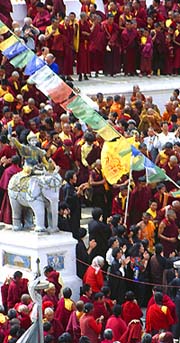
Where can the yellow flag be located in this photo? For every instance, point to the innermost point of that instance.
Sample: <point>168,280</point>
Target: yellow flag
<point>107,133</point>
<point>8,42</point>
<point>115,159</point>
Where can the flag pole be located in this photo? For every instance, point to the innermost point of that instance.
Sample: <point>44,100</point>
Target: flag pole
<point>128,193</point>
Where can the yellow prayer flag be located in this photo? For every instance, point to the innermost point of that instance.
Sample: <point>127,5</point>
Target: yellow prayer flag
<point>115,159</point>
<point>8,42</point>
<point>3,29</point>
<point>107,133</point>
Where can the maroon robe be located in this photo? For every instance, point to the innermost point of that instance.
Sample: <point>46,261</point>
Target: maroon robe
<point>146,56</point>
<point>68,35</point>
<point>100,309</point>
<point>141,17</point>
<point>62,314</point>
<point>73,327</point>
<point>171,230</point>
<point>83,58</point>
<point>139,203</point>
<point>130,311</point>
<point>58,6</point>
<point>5,210</point>
<point>15,291</point>
<point>156,319</point>
<point>112,60</point>
<point>129,46</point>
<point>42,20</point>
<point>14,91</point>
<point>177,52</point>
<point>96,48</point>
<point>51,298</point>
<point>6,9</point>
<point>172,173</point>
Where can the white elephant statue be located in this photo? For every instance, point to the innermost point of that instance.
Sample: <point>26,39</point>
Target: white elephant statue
<point>37,192</point>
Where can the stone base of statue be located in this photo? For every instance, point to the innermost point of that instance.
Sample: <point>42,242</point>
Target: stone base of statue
<point>20,251</point>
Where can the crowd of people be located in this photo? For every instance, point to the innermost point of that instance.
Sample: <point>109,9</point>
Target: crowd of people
<point>126,37</point>
<point>129,261</point>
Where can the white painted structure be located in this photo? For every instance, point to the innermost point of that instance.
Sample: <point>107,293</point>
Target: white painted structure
<point>20,250</point>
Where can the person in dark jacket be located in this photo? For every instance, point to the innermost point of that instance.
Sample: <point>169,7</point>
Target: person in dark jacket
<point>100,232</point>
<point>116,282</point>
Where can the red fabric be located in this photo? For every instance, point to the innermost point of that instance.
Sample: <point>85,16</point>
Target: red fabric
<point>100,310</point>
<point>96,281</point>
<point>117,325</point>
<point>133,333</point>
<point>130,311</point>
<point>156,319</point>
<point>51,298</point>
<point>15,290</point>
<point>25,320</point>
<point>167,302</point>
<point>42,20</point>
<point>90,328</point>
<point>73,327</point>
<point>7,151</point>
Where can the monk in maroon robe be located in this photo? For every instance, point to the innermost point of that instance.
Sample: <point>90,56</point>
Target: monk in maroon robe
<point>63,313</point>
<point>172,170</point>
<point>42,18</point>
<point>96,46</point>
<point>139,201</point>
<point>6,9</point>
<point>58,6</point>
<point>139,14</point>
<point>83,58</point>
<point>168,233</point>
<point>68,36</point>
<point>176,40</point>
<point>17,287</point>
<point>5,210</point>
<point>129,45</point>
<point>112,46</point>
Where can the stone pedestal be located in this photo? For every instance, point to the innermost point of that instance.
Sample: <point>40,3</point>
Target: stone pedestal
<point>20,250</point>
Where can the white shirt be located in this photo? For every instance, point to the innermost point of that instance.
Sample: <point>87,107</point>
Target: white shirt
<point>161,139</point>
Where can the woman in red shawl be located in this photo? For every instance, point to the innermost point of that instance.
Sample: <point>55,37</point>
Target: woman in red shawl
<point>93,275</point>
<point>89,326</point>
<point>130,308</point>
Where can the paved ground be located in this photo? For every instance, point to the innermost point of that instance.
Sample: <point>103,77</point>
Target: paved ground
<point>160,87</point>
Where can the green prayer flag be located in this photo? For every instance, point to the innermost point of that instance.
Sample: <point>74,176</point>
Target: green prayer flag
<point>22,59</point>
<point>84,112</point>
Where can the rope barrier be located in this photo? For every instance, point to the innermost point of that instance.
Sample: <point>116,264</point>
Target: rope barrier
<point>130,280</point>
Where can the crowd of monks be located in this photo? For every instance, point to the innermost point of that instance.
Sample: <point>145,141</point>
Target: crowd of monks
<point>127,37</point>
<point>133,237</point>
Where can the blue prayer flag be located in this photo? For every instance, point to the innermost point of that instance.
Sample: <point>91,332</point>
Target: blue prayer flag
<point>33,65</point>
<point>14,50</point>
